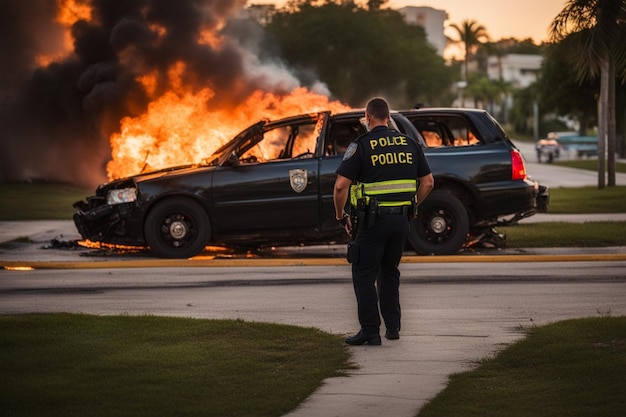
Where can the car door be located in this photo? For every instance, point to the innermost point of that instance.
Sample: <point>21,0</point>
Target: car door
<point>273,186</point>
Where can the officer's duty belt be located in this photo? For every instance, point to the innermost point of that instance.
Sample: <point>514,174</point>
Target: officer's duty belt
<point>394,210</point>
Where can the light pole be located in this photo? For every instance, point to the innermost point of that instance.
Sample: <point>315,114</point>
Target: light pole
<point>460,85</point>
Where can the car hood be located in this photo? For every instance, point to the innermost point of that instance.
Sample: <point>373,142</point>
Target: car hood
<point>154,175</point>
<point>166,172</point>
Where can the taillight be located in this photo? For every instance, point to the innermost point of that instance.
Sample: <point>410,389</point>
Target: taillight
<point>517,165</point>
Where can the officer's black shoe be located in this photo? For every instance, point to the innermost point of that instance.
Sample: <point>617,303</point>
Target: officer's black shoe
<point>362,338</point>
<point>392,334</point>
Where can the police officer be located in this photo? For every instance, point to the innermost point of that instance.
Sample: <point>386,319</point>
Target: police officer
<point>386,174</point>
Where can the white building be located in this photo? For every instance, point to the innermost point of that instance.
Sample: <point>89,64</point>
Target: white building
<point>518,70</point>
<point>433,22</point>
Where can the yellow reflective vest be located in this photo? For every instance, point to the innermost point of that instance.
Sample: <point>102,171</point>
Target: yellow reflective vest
<point>380,189</point>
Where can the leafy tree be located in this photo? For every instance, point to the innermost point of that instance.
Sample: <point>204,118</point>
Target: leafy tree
<point>485,92</point>
<point>525,46</point>
<point>359,53</point>
<point>592,33</point>
<point>471,34</point>
<point>521,115</point>
<point>375,5</point>
<point>496,90</point>
<point>560,91</point>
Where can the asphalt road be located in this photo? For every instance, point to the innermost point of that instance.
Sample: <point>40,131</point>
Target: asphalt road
<point>557,176</point>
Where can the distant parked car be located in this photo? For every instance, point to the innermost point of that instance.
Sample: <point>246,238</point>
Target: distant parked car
<point>548,150</point>
<point>576,145</point>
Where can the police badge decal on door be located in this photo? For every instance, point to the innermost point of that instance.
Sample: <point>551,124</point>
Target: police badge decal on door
<point>298,179</point>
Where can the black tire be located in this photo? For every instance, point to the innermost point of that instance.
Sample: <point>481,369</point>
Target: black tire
<point>177,228</point>
<point>441,226</point>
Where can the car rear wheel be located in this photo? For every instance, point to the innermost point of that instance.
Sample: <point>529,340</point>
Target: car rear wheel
<point>441,226</point>
<point>177,228</point>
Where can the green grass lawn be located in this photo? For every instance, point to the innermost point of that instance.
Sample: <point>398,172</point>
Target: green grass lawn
<point>39,201</point>
<point>583,200</point>
<point>587,200</point>
<point>563,235</point>
<point>83,365</point>
<point>569,368</point>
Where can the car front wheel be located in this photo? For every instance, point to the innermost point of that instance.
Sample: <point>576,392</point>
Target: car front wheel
<point>177,228</point>
<point>441,226</point>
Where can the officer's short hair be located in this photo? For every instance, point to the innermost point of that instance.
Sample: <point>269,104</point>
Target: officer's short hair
<point>377,108</point>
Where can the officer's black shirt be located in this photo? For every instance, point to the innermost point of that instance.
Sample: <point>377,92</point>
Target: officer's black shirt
<point>383,154</point>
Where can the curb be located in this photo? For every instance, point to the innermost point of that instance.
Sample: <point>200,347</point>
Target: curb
<point>220,263</point>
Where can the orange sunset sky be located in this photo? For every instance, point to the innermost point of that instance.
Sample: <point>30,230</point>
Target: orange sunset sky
<point>501,18</point>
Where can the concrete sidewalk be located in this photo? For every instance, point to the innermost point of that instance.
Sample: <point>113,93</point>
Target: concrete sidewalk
<point>574,218</point>
<point>38,230</point>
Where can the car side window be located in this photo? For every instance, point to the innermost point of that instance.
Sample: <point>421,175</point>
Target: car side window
<point>433,138</point>
<point>304,141</point>
<point>446,131</point>
<point>275,142</point>
<point>267,147</point>
<point>464,137</point>
<point>284,142</point>
<point>342,135</point>
<point>462,134</point>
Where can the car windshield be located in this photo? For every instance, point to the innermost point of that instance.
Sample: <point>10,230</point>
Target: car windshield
<point>265,141</point>
<point>223,152</point>
<point>281,141</point>
<point>294,137</point>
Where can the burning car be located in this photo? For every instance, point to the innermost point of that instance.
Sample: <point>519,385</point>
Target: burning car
<point>272,185</point>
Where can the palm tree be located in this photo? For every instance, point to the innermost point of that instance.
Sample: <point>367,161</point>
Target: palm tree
<point>471,34</point>
<point>593,34</point>
<point>375,5</point>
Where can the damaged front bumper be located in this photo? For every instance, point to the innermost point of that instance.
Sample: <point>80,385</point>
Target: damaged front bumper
<point>99,221</point>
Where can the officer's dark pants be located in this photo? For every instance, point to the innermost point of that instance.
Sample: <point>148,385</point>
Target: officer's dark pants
<point>379,253</point>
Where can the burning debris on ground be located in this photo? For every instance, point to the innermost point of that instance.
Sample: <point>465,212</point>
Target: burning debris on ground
<point>93,90</point>
<point>62,244</point>
<point>89,248</point>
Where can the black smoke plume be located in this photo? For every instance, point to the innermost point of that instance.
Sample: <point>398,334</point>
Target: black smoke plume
<point>56,119</point>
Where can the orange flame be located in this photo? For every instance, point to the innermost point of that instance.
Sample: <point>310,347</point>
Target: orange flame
<point>208,37</point>
<point>69,12</point>
<point>177,128</point>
